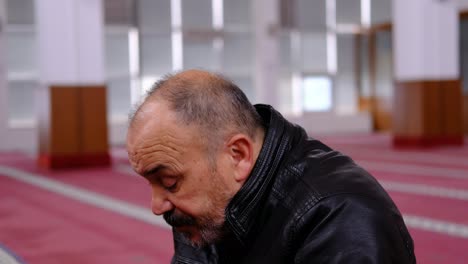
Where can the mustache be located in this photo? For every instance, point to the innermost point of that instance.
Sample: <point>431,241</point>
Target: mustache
<point>179,219</point>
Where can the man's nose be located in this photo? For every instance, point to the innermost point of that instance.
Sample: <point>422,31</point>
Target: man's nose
<point>160,205</point>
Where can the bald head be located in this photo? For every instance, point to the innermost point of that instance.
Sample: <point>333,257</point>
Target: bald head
<point>213,103</point>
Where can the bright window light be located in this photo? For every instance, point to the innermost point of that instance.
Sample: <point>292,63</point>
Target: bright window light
<point>366,13</point>
<point>218,16</point>
<point>176,23</point>
<point>147,82</point>
<point>317,93</point>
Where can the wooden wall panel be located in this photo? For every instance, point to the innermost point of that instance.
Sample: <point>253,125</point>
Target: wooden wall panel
<point>94,119</point>
<point>365,104</point>
<point>73,128</point>
<point>382,114</point>
<point>428,113</point>
<point>465,113</point>
<point>407,113</point>
<point>381,111</point>
<point>452,106</point>
<point>432,110</point>
<point>65,120</point>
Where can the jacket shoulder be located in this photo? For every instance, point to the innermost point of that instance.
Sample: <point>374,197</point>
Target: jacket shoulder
<point>314,171</point>
<point>336,208</point>
<point>351,228</point>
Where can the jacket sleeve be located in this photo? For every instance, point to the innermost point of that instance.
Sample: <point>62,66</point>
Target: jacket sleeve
<point>352,229</point>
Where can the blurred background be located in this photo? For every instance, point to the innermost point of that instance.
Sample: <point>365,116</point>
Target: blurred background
<point>381,80</point>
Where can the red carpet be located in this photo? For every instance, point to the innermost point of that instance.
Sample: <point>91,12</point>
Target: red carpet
<point>41,226</point>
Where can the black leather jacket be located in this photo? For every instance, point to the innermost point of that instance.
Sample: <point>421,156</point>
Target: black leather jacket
<point>306,203</point>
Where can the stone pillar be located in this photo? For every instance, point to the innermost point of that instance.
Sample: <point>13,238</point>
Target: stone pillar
<point>72,120</point>
<point>428,94</point>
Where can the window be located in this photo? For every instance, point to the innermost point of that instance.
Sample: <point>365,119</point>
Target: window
<point>345,82</point>
<point>381,11</point>
<point>315,36</point>
<point>147,82</point>
<point>118,72</point>
<point>197,14</point>
<point>121,77</point>
<point>21,62</point>
<point>348,12</point>
<point>199,52</point>
<point>384,65</point>
<point>158,41</point>
<point>313,52</point>
<point>307,48</point>
<point>317,93</point>
<point>237,44</point>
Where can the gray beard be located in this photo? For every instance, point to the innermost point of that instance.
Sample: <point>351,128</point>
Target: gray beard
<point>210,231</point>
<point>210,234</point>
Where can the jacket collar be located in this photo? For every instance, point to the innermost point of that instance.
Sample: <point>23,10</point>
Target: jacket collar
<point>243,208</point>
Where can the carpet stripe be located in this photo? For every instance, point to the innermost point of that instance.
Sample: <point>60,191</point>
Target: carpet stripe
<point>85,196</point>
<point>423,189</point>
<point>437,226</point>
<point>413,169</point>
<point>450,183</point>
<point>424,158</point>
<point>8,257</point>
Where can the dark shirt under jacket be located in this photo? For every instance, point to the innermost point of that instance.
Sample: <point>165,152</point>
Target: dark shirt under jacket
<point>306,203</point>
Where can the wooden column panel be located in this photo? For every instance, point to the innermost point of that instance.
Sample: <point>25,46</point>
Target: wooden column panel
<point>65,117</point>
<point>452,102</point>
<point>94,119</point>
<point>382,114</point>
<point>465,114</point>
<point>73,127</point>
<point>427,113</point>
<point>407,113</point>
<point>94,138</point>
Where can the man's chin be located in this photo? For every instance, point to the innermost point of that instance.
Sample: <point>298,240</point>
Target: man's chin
<point>192,235</point>
<point>200,236</point>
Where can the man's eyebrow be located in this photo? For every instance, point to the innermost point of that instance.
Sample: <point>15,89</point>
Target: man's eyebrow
<point>147,174</point>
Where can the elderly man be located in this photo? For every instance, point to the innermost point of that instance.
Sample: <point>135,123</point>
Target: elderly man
<point>240,184</point>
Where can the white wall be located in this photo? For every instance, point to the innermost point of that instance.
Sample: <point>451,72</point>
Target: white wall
<point>76,40</point>
<point>425,40</point>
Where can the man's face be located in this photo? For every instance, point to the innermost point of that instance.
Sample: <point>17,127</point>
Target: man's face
<point>189,189</point>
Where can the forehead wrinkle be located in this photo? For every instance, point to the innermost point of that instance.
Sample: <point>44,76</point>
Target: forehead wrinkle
<point>161,138</point>
<point>145,163</point>
<point>166,147</point>
<point>166,157</point>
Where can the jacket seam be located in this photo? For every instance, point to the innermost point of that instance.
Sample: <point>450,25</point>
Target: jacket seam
<point>334,195</point>
<point>314,197</point>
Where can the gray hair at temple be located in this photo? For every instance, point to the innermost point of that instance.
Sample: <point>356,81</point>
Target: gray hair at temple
<point>209,100</point>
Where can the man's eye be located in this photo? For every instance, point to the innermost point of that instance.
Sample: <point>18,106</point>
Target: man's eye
<point>169,183</point>
<point>172,187</point>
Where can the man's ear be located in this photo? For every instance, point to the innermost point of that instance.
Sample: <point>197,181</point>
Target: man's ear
<point>241,151</point>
